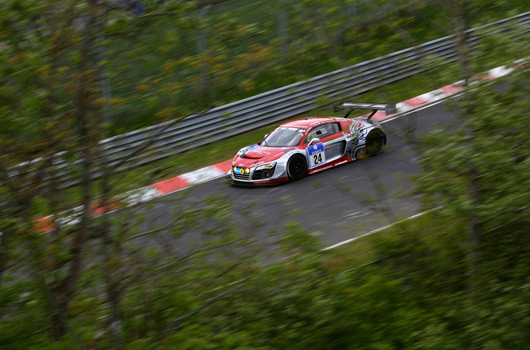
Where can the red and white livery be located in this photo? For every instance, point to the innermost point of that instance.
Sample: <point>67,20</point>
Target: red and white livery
<point>306,146</point>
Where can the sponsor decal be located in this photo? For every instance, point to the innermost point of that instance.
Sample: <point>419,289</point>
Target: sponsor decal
<point>357,132</point>
<point>244,150</point>
<point>316,155</point>
<point>300,130</point>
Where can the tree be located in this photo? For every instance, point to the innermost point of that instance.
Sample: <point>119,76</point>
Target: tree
<point>54,64</point>
<point>477,172</point>
<point>120,279</point>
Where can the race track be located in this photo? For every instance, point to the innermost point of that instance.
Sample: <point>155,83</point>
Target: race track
<point>336,204</point>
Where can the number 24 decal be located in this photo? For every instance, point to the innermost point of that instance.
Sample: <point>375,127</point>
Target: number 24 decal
<point>317,158</point>
<point>316,155</point>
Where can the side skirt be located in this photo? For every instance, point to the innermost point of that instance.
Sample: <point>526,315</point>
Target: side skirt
<point>342,160</point>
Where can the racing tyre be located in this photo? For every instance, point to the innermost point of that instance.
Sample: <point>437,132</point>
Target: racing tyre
<point>375,142</point>
<point>296,168</point>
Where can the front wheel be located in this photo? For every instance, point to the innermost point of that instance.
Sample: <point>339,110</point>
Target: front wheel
<point>375,142</point>
<point>296,168</point>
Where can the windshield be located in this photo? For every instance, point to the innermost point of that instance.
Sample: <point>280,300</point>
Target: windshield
<point>284,137</point>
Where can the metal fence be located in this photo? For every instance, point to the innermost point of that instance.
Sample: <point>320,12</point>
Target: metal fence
<point>219,123</point>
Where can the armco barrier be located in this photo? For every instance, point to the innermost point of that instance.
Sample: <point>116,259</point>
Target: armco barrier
<point>171,138</point>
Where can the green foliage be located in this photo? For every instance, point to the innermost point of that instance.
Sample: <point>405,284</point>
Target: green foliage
<point>146,286</point>
<point>296,239</point>
<point>491,148</point>
<point>192,60</point>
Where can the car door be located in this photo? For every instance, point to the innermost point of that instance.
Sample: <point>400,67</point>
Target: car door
<point>331,137</point>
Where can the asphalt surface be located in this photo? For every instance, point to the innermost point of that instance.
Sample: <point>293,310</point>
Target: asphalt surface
<point>336,204</point>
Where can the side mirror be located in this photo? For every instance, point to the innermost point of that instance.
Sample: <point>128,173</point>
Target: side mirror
<point>264,137</point>
<point>313,141</point>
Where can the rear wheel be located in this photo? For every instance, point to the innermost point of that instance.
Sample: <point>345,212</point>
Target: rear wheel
<point>296,167</point>
<point>375,142</point>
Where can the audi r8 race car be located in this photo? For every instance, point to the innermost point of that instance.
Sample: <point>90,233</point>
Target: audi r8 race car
<point>310,145</point>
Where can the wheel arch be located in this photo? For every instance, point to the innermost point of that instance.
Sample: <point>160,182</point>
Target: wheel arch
<point>303,160</point>
<point>376,133</point>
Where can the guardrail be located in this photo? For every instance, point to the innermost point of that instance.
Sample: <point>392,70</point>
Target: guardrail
<point>171,138</point>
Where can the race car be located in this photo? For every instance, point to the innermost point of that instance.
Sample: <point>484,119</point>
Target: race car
<point>306,146</point>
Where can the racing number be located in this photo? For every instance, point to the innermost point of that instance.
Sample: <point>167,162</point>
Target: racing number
<point>316,155</point>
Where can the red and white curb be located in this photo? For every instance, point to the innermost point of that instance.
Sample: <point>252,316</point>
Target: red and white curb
<point>442,93</point>
<point>195,177</point>
<point>164,187</point>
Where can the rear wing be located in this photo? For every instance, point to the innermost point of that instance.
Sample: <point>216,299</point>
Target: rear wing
<point>389,108</point>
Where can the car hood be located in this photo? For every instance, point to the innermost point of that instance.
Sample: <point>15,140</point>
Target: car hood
<point>256,155</point>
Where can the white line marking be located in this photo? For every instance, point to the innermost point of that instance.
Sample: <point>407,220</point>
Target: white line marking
<point>358,214</point>
<point>378,230</point>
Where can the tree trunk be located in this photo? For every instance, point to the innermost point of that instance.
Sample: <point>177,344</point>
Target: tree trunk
<point>64,291</point>
<point>59,324</point>
<point>473,234</point>
<point>110,250</point>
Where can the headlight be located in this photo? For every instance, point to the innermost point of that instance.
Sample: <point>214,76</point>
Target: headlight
<point>266,166</point>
